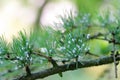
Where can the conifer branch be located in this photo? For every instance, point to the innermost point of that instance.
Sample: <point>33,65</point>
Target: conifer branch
<point>72,66</point>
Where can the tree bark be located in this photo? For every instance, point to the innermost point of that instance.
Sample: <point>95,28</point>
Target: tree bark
<point>71,66</point>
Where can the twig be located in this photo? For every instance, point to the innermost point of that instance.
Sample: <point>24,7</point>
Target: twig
<point>39,13</point>
<point>50,59</point>
<point>95,36</point>
<point>113,54</point>
<point>105,39</point>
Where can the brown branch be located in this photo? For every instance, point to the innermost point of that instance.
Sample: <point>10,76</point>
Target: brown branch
<point>12,59</point>
<point>96,35</point>
<point>70,66</point>
<point>27,69</point>
<point>39,13</point>
<point>105,39</point>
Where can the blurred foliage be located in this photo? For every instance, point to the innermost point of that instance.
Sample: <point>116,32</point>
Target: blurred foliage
<point>95,6</point>
<point>99,47</point>
<point>87,6</point>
